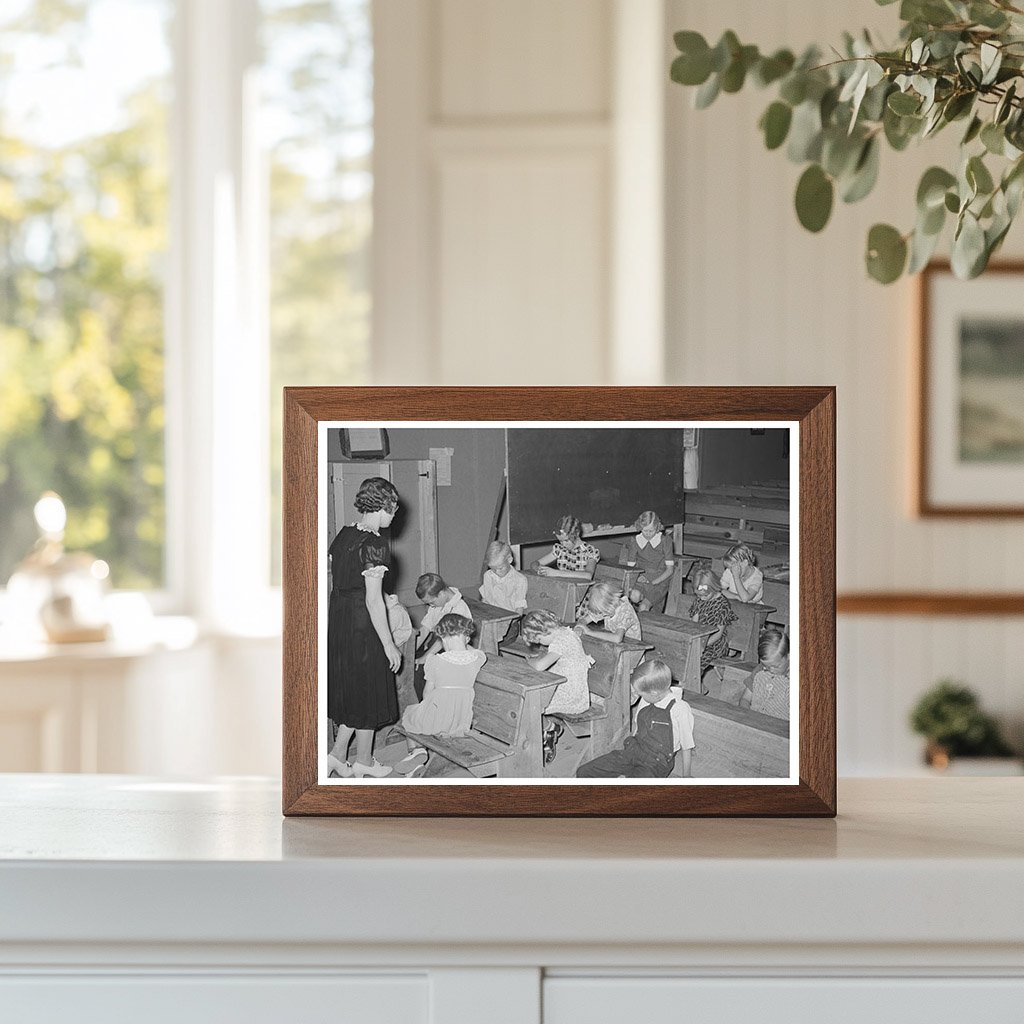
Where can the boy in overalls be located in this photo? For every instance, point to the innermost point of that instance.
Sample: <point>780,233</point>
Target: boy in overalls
<point>663,725</point>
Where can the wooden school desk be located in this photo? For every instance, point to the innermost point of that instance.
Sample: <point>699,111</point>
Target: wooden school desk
<point>677,642</point>
<point>492,623</point>
<point>555,593</point>
<point>621,576</point>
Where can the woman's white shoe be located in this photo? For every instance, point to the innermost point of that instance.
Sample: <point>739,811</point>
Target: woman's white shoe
<point>376,770</point>
<point>339,767</point>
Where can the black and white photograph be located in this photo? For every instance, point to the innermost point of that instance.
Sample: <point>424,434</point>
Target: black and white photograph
<point>595,603</point>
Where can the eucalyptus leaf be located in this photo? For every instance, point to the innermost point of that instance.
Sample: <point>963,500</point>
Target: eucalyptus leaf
<point>805,133</point>
<point>873,106</point>
<point>886,253</point>
<point>865,174</point>
<point>932,221</point>
<point>904,103</point>
<point>952,202</point>
<point>771,69</point>
<point>991,60</point>
<point>973,129</point>
<point>987,15</point>
<point>931,190</point>
<point>968,247</point>
<point>922,248</point>
<point>724,51</point>
<point>794,88</point>
<point>958,105</point>
<point>775,124</point>
<point>993,138</point>
<point>707,93</point>
<point>735,74</point>
<point>840,152</point>
<point>814,195</point>
<point>1005,105</point>
<point>978,176</point>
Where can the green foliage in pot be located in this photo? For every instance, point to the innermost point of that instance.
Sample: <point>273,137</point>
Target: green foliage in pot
<point>949,716</point>
<point>957,62</point>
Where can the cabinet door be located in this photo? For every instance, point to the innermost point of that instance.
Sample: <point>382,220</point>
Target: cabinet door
<point>783,1000</point>
<point>206,999</point>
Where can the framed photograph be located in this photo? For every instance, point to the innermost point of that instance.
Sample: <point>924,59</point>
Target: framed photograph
<point>560,601</point>
<point>970,450</point>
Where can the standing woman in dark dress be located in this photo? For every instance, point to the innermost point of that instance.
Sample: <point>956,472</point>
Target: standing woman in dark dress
<point>362,658</point>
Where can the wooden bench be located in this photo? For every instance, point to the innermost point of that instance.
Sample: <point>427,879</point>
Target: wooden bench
<point>492,623</point>
<point>736,743</point>
<point>714,521</point>
<point>727,680</point>
<point>555,593</point>
<point>505,738</point>
<point>678,642</point>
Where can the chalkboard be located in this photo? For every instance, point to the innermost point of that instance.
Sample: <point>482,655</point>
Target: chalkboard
<point>601,475</point>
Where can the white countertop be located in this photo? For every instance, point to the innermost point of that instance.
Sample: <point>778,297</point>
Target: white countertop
<point>120,859</point>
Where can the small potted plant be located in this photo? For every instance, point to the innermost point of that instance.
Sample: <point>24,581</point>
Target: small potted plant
<point>950,717</point>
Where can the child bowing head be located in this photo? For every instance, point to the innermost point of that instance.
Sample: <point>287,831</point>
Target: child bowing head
<point>768,685</point>
<point>503,585</point>
<point>742,580</point>
<point>440,598</point>
<point>565,656</point>
<point>662,725</point>
<point>606,603</point>
<point>447,705</point>
<point>571,556</point>
<point>454,631</point>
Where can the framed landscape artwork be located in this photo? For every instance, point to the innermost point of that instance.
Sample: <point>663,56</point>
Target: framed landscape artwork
<point>970,450</point>
<point>559,601</point>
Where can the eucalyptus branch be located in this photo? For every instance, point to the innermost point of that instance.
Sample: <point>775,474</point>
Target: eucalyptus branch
<point>833,117</point>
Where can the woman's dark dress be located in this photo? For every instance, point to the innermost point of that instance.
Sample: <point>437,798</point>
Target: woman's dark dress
<point>360,685</point>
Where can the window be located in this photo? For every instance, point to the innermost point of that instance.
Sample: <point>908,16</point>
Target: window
<point>316,119</point>
<point>202,165</point>
<point>83,237</point>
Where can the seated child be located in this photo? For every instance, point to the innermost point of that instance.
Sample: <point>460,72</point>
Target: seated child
<point>503,585</point>
<point>606,603</point>
<point>565,656</point>
<point>447,705</point>
<point>711,608</point>
<point>742,580</point>
<point>441,600</point>
<point>768,685</point>
<point>662,724</point>
<point>573,557</point>
<point>650,551</point>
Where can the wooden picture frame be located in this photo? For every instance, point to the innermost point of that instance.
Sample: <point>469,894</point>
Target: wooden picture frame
<point>958,472</point>
<point>808,412</point>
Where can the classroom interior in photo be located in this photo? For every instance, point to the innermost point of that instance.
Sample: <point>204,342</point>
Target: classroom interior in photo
<point>713,487</point>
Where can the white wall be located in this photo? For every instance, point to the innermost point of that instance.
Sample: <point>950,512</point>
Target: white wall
<point>754,299</point>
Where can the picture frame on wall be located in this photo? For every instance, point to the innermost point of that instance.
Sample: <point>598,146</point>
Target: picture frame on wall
<point>970,384</point>
<point>560,601</point>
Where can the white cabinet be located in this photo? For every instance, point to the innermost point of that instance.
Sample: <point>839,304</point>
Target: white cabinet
<point>127,898</point>
<point>202,999</point>
<point>827,1000</point>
